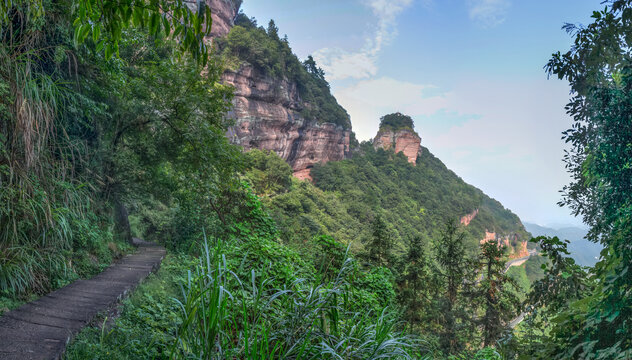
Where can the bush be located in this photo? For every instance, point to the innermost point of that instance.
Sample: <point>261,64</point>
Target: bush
<point>228,317</point>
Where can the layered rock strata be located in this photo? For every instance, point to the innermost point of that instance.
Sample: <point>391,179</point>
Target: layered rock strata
<point>267,111</point>
<point>404,140</point>
<point>223,14</point>
<point>267,114</point>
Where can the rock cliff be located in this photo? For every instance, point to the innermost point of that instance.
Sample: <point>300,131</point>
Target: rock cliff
<point>467,219</point>
<point>403,140</point>
<point>223,13</point>
<point>267,110</point>
<point>267,114</point>
<point>517,247</point>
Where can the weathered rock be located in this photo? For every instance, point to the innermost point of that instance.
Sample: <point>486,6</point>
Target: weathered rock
<point>223,13</point>
<point>267,111</point>
<point>521,250</point>
<point>403,140</point>
<point>267,114</point>
<point>467,219</point>
<point>517,251</point>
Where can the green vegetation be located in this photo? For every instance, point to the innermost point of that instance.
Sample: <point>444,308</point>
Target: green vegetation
<point>412,200</point>
<point>585,312</point>
<point>273,57</point>
<point>396,121</point>
<point>367,262</point>
<point>148,319</point>
<point>498,293</point>
<point>84,138</point>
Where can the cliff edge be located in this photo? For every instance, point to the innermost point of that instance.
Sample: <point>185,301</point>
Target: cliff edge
<point>396,132</point>
<point>280,103</point>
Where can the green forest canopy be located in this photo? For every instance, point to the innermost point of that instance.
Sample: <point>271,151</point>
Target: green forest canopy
<point>396,121</point>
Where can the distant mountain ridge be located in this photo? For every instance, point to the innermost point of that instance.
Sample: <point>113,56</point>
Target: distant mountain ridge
<point>585,253</point>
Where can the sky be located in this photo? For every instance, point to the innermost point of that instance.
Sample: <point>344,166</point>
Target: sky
<point>469,72</point>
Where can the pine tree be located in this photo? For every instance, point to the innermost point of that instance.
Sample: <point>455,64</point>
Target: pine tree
<point>273,30</point>
<point>415,282</point>
<point>454,270</point>
<point>312,68</point>
<point>380,244</point>
<point>499,302</point>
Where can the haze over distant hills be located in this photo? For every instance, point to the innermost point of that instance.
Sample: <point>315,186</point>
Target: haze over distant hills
<point>583,251</point>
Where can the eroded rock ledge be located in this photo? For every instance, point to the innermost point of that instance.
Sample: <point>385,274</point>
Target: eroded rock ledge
<point>267,114</point>
<point>403,140</point>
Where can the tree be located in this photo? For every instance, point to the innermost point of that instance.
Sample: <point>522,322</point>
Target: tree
<point>454,271</point>
<point>379,246</point>
<point>499,301</point>
<point>312,68</point>
<point>273,30</point>
<point>599,70</point>
<point>396,121</point>
<point>415,282</point>
<point>103,22</point>
<point>268,172</point>
<point>564,283</point>
<point>82,131</point>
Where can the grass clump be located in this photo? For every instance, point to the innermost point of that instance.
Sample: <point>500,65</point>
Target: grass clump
<point>228,317</point>
<point>223,305</point>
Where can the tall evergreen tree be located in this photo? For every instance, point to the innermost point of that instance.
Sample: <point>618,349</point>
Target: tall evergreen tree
<point>454,271</point>
<point>497,291</point>
<point>380,244</point>
<point>273,30</point>
<point>415,282</point>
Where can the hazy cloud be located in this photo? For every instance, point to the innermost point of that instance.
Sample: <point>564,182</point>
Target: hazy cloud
<point>488,13</point>
<point>476,130</point>
<point>368,100</point>
<point>341,64</point>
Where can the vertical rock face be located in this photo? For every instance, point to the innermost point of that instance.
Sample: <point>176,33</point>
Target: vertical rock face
<point>267,111</point>
<point>518,251</point>
<point>267,114</point>
<point>404,140</point>
<point>517,248</point>
<point>467,219</point>
<point>223,13</point>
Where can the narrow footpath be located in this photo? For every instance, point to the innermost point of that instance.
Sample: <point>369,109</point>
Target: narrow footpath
<point>41,329</point>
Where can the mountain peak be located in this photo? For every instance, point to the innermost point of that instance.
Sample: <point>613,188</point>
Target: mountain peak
<point>397,133</point>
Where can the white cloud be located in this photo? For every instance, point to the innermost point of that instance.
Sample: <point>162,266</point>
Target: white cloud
<point>500,135</point>
<point>368,100</point>
<point>341,64</point>
<point>488,13</point>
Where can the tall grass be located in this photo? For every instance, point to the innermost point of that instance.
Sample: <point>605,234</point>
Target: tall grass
<point>42,198</point>
<point>227,317</point>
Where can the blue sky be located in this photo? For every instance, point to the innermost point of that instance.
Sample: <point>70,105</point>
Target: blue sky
<point>469,72</point>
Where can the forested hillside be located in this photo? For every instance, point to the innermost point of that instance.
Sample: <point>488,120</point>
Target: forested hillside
<point>348,196</point>
<point>113,123</point>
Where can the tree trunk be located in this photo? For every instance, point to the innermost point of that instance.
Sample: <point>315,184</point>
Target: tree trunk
<point>121,223</point>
